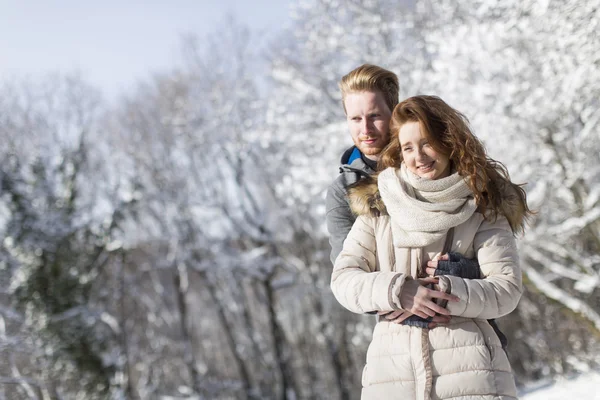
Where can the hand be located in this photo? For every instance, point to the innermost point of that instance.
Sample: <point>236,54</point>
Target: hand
<point>454,264</point>
<point>397,316</point>
<point>400,317</point>
<point>433,264</point>
<point>417,299</point>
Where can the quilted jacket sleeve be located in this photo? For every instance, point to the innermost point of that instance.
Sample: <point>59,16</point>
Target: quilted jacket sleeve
<point>356,282</point>
<point>339,217</point>
<point>499,292</point>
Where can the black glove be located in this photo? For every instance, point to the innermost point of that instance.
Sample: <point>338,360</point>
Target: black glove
<point>460,266</point>
<point>415,320</point>
<point>467,268</point>
<point>457,265</point>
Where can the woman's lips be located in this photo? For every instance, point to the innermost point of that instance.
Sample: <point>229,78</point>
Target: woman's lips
<point>426,167</point>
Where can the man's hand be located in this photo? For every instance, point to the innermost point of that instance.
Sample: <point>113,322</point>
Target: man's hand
<point>454,264</point>
<point>417,299</point>
<point>402,317</point>
<point>433,264</point>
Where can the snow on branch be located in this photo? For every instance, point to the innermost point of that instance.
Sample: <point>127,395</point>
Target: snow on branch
<point>593,198</point>
<point>576,224</point>
<point>6,380</point>
<point>11,313</point>
<point>586,261</point>
<point>554,266</point>
<point>562,297</point>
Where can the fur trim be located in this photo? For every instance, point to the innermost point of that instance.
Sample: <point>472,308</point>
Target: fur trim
<point>364,198</point>
<point>512,207</point>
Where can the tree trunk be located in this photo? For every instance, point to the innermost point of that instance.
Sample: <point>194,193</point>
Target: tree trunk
<point>180,279</point>
<point>288,387</point>
<point>227,331</point>
<point>128,388</point>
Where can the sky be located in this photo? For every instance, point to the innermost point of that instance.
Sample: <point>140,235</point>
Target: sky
<point>114,44</point>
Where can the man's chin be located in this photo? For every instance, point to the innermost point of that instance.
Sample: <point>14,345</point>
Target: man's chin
<point>370,151</point>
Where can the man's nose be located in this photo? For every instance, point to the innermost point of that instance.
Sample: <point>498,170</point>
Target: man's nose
<point>366,125</point>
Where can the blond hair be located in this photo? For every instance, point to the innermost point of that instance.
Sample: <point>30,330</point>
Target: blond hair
<point>371,78</point>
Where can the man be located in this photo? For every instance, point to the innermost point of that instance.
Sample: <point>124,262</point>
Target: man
<point>369,94</point>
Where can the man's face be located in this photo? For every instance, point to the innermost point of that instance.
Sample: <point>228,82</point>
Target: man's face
<point>368,119</point>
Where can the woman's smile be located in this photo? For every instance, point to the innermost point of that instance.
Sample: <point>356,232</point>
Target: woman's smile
<point>426,167</point>
<point>419,156</point>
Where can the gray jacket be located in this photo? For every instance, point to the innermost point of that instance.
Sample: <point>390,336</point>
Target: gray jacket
<point>339,217</point>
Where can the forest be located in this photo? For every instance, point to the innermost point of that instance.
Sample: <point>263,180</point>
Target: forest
<point>172,245</point>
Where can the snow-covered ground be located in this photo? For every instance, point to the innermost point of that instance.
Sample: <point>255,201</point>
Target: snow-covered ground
<point>585,386</point>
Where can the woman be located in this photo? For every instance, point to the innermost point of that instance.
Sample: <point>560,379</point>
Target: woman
<point>437,192</point>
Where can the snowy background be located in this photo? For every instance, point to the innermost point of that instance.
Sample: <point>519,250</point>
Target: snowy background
<point>580,387</point>
<point>164,238</point>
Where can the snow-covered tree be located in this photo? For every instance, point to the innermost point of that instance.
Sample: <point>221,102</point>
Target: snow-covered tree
<point>57,238</point>
<point>174,246</point>
<point>528,74</point>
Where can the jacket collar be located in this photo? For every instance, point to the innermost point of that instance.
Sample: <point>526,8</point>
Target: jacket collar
<point>353,161</point>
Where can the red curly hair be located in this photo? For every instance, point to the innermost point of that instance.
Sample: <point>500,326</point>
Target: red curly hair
<point>448,132</point>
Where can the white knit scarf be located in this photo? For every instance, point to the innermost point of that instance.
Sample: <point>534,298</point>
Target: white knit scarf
<point>423,210</point>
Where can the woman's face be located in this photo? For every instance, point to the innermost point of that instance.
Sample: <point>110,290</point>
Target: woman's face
<point>420,158</point>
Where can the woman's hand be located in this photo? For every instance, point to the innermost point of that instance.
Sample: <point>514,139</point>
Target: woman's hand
<point>417,299</point>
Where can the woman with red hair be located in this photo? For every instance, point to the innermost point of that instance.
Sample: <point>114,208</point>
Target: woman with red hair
<point>438,192</point>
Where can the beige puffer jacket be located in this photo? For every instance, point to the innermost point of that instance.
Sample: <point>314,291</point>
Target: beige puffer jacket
<point>463,360</point>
